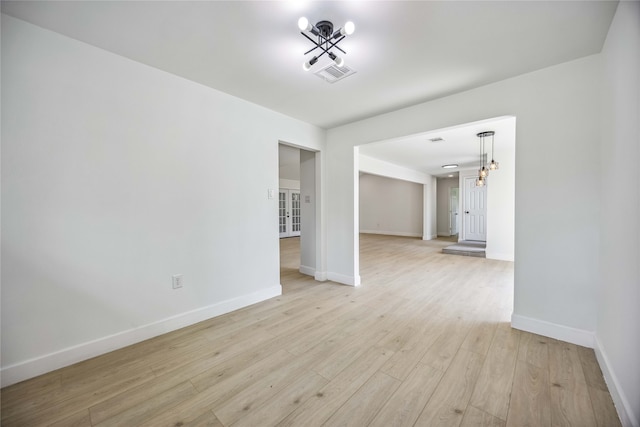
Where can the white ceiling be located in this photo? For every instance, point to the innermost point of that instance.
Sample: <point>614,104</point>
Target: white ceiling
<point>404,52</point>
<point>459,145</point>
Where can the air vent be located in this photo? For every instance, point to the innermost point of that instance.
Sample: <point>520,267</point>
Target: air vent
<point>437,139</point>
<point>332,73</point>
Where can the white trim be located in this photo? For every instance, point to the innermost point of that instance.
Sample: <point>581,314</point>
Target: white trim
<point>68,356</point>
<point>320,276</point>
<point>309,271</point>
<point>345,280</point>
<point>499,256</point>
<point>627,418</point>
<point>553,330</point>
<point>433,237</point>
<point>391,233</point>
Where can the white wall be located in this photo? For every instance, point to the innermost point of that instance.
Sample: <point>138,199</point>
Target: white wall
<point>501,188</point>
<point>430,216</point>
<point>115,176</point>
<point>444,185</point>
<point>618,327</point>
<point>390,206</point>
<point>556,215</point>
<point>288,163</point>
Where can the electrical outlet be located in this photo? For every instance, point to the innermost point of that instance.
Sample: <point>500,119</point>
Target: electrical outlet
<point>178,281</point>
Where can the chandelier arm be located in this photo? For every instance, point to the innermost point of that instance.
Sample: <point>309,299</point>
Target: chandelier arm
<point>334,44</point>
<point>312,49</point>
<point>325,40</point>
<point>309,38</point>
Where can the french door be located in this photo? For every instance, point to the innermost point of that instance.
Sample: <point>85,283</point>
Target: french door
<point>289,213</point>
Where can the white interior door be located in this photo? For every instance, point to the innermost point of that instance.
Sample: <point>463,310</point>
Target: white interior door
<point>475,211</point>
<point>289,213</point>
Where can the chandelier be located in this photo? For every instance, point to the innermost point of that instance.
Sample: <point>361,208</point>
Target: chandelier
<point>484,167</point>
<point>326,39</point>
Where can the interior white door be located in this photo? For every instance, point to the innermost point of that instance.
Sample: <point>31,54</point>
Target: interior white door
<point>289,221</point>
<point>453,211</point>
<point>475,211</point>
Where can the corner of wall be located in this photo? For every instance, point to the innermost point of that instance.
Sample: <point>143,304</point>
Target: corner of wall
<point>553,330</point>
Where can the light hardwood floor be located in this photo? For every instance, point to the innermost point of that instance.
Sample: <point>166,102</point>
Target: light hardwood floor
<point>424,341</point>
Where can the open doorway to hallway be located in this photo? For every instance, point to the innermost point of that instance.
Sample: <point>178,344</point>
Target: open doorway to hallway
<point>297,209</point>
<point>455,153</point>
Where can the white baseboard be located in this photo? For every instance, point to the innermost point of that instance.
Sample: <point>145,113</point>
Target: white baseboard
<point>625,412</point>
<point>37,366</point>
<point>309,271</point>
<point>344,279</point>
<point>320,276</point>
<point>434,236</point>
<point>391,233</point>
<point>553,330</point>
<point>499,256</point>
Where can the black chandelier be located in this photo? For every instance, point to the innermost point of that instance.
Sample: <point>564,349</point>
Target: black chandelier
<point>483,172</point>
<point>326,40</point>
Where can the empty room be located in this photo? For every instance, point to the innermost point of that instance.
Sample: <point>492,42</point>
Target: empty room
<point>299,213</point>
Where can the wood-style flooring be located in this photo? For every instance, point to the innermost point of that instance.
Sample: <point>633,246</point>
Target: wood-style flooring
<point>425,341</point>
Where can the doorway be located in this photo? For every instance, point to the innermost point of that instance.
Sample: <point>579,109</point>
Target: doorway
<point>453,210</point>
<point>297,205</point>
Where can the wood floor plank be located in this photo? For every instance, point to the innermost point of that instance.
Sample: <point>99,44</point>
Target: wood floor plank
<point>442,352</point>
<point>591,368</point>
<point>530,400</point>
<point>603,408</point>
<point>363,405</point>
<point>284,402</point>
<point>479,337</point>
<point>492,393</point>
<point>570,400</point>
<point>316,410</point>
<point>571,407</point>
<point>450,399</point>
<point>135,415</point>
<point>474,417</point>
<point>405,405</point>
<point>534,349</point>
<point>407,358</point>
<point>79,419</point>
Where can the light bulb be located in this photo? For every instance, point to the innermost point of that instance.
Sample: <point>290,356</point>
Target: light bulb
<point>307,65</point>
<point>339,61</point>
<point>479,182</point>
<point>349,28</point>
<point>493,165</point>
<point>303,24</point>
<point>483,172</point>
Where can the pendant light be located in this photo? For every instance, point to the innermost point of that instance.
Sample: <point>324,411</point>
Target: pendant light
<point>483,170</point>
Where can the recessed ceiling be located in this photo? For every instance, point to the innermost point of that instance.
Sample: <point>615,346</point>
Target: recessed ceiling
<point>404,53</point>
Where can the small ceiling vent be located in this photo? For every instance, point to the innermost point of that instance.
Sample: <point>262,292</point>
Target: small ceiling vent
<point>332,73</point>
<point>436,139</point>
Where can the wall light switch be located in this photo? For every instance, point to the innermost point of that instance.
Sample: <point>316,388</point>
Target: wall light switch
<point>271,193</point>
<point>177,281</point>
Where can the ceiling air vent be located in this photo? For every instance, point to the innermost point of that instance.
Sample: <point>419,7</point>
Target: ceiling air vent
<point>332,73</point>
<point>436,139</point>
